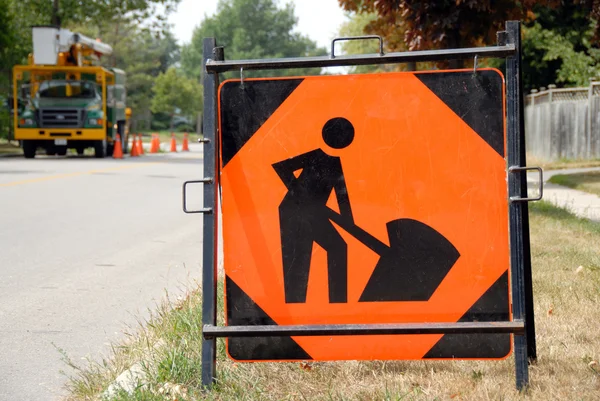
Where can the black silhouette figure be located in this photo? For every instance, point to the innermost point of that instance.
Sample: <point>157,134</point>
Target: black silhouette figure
<point>304,217</point>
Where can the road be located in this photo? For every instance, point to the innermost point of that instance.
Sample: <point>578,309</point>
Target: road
<point>86,247</point>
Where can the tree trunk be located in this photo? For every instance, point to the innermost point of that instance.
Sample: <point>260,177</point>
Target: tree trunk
<point>454,43</point>
<point>114,54</point>
<point>55,18</point>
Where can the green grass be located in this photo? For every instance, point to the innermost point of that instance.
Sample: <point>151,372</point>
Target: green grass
<point>587,182</point>
<point>566,279</point>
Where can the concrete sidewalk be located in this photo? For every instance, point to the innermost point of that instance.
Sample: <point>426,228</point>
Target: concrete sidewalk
<point>580,203</point>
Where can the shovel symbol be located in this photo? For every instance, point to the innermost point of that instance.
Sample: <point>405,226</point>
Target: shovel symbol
<point>411,267</point>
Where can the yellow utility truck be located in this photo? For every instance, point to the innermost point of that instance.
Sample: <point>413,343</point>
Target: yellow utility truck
<point>68,100</point>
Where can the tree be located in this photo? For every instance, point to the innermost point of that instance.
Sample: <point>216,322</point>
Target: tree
<point>426,24</point>
<point>142,53</point>
<point>7,40</point>
<point>173,91</point>
<point>559,47</point>
<point>7,36</point>
<point>355,26</point>
<point>94,11</point>
<point>27,13</point>
<point>251,29</point>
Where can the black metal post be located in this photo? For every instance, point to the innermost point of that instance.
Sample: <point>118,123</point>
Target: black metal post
<point>209,249</point>
<point>514,152</point>
<point>527,270</point>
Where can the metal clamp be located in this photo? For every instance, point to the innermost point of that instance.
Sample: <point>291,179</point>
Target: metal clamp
<point>203,140</point>
<point>363,37</point>
<point>204,210</point>
<point>517,169</point>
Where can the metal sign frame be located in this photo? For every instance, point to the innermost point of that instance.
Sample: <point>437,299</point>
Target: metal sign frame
<point>522,326</point>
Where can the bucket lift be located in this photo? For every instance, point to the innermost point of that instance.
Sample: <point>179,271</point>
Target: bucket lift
<point>58,46</point>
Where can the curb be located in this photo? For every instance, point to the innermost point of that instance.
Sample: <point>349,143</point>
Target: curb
<point>7,155</point>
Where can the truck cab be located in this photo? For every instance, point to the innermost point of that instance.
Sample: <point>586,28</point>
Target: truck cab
<point>72,103</point>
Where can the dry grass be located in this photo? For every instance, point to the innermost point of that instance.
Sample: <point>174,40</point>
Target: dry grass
<point>566,263</point>
<point>9,147</point>
<point>588,182</point>
<point>562,163</point>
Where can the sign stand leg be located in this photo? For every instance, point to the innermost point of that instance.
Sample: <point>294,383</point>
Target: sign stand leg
<point>209,266</point>
<point>517,225</point>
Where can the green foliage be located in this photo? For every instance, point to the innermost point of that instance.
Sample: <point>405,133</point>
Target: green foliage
<point>6,35</point>
<point>173,90</point>
<point>92,11</point>
<point>355,26</point>
<point>15,37</point>
<point>559,59</point>
<point>558,48</point>
<point>5,122</point>
<point>358,25</point>
<point>251,29</point>
<point>184,128</point>
<point>142,50</point>
<point>7,42</point>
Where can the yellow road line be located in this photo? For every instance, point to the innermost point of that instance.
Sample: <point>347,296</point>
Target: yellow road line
<point>76,174</point>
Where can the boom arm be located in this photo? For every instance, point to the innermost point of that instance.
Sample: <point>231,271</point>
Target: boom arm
<point>98,47</point>
<point>49,42</point>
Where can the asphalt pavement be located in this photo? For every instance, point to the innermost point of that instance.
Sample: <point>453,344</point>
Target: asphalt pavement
<point>87,247</point>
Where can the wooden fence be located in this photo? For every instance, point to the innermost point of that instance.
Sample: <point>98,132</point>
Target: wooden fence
<point>563,123</point>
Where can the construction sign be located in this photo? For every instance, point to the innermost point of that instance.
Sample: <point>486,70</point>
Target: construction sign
<point>365,199</point>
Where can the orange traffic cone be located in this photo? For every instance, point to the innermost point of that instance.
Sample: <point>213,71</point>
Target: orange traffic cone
<point>173,143</point>
<point>134,148</point>
<point>154,145</point>
<point>140,145</point>
<point>118,150</point>
<point>185,146</point>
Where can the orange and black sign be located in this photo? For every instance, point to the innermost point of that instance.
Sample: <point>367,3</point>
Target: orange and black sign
<point>363,199</point>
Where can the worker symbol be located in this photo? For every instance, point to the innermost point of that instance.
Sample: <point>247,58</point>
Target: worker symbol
<point>304,217</point>
<point>410,268</point>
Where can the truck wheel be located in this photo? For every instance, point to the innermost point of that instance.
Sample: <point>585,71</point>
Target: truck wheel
<point>100,149</point>
<point>61,151</point>
<point>50,152</point>
<point>80,151</point>
<point>29,148</point>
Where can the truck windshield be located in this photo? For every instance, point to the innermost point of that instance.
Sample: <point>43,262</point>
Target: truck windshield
<point>67,89</point>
